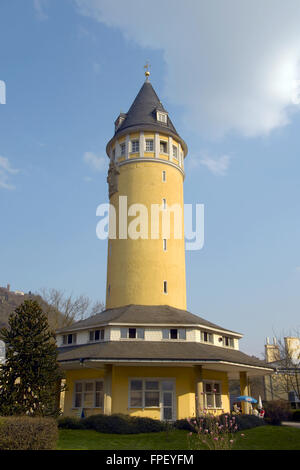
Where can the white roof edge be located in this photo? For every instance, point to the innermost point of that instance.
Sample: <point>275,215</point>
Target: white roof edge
<point>185,325</point>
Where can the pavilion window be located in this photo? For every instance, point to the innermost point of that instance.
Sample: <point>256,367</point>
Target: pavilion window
<point>69,339</point>
<point>89,394</point>
<point>206,337</point>
<point>212,395</point>
<point>136,394</point>
<point>151,393</point>
<point>99,395</point>
<point>174,333</point>
<point>132,333</point>
<point>97,335</point>
<point>228,342</point>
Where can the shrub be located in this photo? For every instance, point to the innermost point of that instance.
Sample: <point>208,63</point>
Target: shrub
<point>242,421</point>
<point>248,421</point>
<point>28,433</point>
<point>113,424</point>
<point>214,432</point>
<point>296,415</point>
<point>70,423</point>
<point>184,424</point>
<point>277,411</point>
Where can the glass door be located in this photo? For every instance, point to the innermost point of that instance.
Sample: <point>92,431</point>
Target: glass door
<point>167,408</point>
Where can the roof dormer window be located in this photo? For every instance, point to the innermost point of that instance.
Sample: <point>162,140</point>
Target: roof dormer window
<point>120,119</point>
<point>162,117</point>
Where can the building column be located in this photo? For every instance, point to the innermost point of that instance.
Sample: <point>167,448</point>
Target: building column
<point>199,392</point>
<point>170,149</point>
<point>127,144</point>
<point>156,145</point>
<point>244,391</point>
<point>107,389</point>
<point>142,144</point>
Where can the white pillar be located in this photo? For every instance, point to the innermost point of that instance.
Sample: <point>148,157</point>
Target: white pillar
<point>107,389</point>
<point>127,146</point>
<point>142,144</point>
<point>156,145</point>
<point>170,149</point>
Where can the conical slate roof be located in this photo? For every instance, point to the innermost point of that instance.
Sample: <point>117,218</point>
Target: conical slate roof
<point>142,116</point>
<point>143,111</point>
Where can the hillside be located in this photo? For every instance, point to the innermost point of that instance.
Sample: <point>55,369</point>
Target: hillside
<point>10,300</point>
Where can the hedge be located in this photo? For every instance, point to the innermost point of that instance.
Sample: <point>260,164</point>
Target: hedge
<point>28,433</point>
<point>277,411</point>
<point>296,415</point>
<point>113,424</point>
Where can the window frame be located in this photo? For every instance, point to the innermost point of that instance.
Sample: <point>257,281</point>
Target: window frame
<point>143,391</point>
<point>83,382</point>
<point>101,335</point>
<point>230,340</point>
<point>139,333</point>
<point>163,143</point>
<point>67,343</point>
<point>162,117</point>
<point>175,152</point>
<point>123,149</point>
<point>213,393</point>
<point>152,144</point>
<point>181,334</point>
<point>132,144</point>
<point>202,335</point>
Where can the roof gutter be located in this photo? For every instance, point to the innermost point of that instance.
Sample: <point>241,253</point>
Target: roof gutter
<point>176,361</point>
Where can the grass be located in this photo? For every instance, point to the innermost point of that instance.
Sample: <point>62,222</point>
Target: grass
<point>261,438</point>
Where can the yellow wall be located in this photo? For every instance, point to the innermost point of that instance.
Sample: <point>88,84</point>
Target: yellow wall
<point>136,269</point>
<point>185,380</point>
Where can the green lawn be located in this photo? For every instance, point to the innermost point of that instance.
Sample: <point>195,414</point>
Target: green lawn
<point>261,438</point>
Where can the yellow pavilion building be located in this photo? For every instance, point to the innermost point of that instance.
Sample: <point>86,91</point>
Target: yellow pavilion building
<point>145,354</point>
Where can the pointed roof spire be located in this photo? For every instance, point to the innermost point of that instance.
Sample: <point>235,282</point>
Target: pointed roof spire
<point>147,73</point>
<point>143,115</point>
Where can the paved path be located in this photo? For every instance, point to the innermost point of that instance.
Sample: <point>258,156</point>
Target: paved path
<point>291,423</point>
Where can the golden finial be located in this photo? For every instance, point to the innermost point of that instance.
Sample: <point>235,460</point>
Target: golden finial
<point>146,67</point>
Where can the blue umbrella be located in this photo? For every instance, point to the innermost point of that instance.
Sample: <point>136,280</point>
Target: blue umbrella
<point>245,398</point>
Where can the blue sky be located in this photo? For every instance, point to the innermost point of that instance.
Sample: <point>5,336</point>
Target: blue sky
<point>229,82</point>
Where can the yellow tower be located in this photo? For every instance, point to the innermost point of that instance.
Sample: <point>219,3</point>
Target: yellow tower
<point>146,264</point>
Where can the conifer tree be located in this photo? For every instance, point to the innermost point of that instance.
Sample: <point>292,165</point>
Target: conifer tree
<point>30,377</point>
